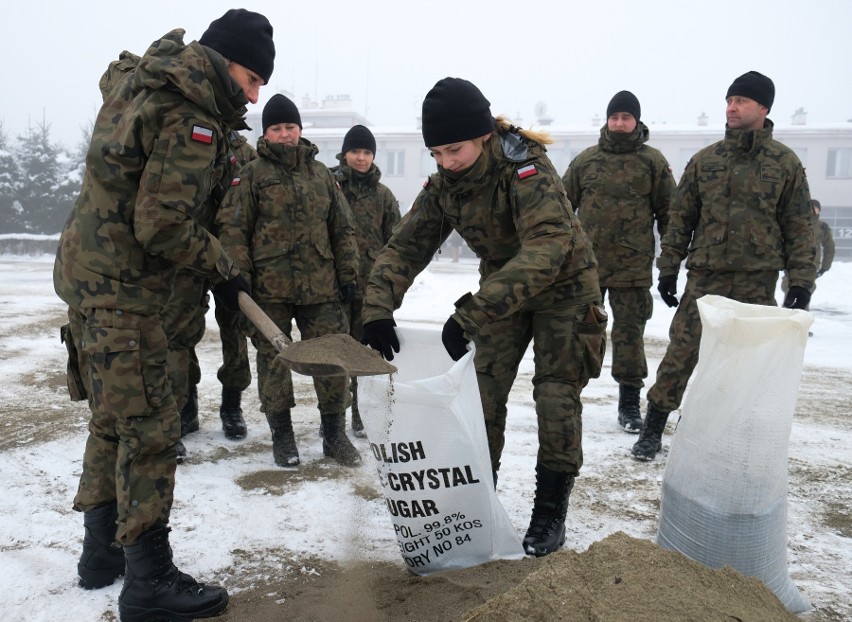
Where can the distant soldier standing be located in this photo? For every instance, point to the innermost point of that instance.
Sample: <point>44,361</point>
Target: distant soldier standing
<point>619,189</point>
<point>291,231</point>
<point>824,248</point>
<point>497,188</point>
<point>159,147</point>
<point>376,211</point>
<point>741,215</point>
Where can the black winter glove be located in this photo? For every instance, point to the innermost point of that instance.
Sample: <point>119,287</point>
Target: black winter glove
<point>454,340</point>
<point>227,291</point>
<point>347,292</point>
<point>797,298</point>
<point>380,335</point>
<point>668,289</point>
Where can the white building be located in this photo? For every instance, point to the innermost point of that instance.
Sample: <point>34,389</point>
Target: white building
<point>825,150</point>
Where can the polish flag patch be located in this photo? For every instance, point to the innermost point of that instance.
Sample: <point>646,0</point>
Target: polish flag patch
<point>235,181</point>
<point>527,171</point>
<point>202,134</point>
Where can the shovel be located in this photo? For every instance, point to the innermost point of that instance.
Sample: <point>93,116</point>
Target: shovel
<point>329,355</point>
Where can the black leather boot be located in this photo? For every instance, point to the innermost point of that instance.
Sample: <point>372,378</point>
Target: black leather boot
<point>189,413</point>
<point>546,532</point>
<point>284,449</point>
<point>629,412</point>
<point>233,423</point>
<point>335,443</point>
<point>154,589</point>
<point>651,437</point>
<point>102,560</point>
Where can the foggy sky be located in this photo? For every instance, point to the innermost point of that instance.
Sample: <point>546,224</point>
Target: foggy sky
<point>678,57</point>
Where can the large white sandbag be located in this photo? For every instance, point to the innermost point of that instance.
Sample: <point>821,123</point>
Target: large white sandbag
<point>427,435</point>
<point>724,497</point>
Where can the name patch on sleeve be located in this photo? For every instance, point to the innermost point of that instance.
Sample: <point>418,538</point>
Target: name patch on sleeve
<point>527,171</point>
<point>202,134</point>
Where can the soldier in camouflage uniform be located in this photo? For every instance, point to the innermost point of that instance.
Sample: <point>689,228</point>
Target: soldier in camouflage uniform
<point>539,283</point>
<point>159,148</point>
<point>619,189</point>
<point>184,323</point>
<point>376,211</point>
<point>292,232</point>
<point>824,249</point>
<point>741,214</point>
<point>824,242</point>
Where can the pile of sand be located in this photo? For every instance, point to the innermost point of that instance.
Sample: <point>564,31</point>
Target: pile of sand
<point>626,579</point>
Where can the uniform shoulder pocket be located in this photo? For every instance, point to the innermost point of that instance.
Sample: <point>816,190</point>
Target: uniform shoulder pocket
<point>156,165</point>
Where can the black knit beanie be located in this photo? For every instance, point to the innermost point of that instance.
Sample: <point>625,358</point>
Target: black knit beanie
<point>453,111</point>
<point>359,137</point>
<point>624,101</point>
<point>280,109</point>
<point>755,86</point>
<point>245,38</point>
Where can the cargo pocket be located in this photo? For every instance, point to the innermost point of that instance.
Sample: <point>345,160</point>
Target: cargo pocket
<point>118,386</point>
<point>73,375</point>
<point>590,333</point>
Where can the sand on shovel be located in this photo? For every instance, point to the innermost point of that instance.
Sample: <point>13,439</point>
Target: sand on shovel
<point>339,350</point>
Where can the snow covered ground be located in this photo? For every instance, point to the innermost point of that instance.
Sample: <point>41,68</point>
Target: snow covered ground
<point>238,518</point>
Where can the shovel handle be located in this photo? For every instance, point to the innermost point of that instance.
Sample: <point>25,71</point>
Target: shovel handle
<point>262,322</point>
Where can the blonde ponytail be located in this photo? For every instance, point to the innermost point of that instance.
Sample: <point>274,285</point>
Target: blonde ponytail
<point>504,126</point>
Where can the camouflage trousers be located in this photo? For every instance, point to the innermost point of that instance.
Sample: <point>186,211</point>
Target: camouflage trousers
<point>274,380</point>
<point>130,451</point>
<point>631,307</point>
<point>234,373</point>
<point>184,324</point>
<point>685,331</point>
<point>568,349</point>
<point>355,316</point>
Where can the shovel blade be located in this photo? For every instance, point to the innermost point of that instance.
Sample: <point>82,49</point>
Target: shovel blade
<point>333,355</point>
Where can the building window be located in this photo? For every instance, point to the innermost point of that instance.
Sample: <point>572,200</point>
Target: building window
<point>839,164</point>
<point>395,166</point>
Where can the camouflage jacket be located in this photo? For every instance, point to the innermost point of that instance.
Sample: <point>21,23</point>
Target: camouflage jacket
<point>290,229</point>
<point>511,210</point>
<point>824,245</point>
<point>375,209</point>
<point>159,151</point>
<point>619,188</point>
<point>742,205</point>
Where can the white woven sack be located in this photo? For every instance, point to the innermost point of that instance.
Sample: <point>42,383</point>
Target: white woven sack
<point>724,497</point>
<point>427,437</point>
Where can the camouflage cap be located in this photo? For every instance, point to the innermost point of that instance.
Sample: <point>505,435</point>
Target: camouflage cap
<point>244,37</point>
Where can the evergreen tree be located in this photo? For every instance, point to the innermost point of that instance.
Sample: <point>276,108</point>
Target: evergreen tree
<point>10,180</point>
<point>46,192</point>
